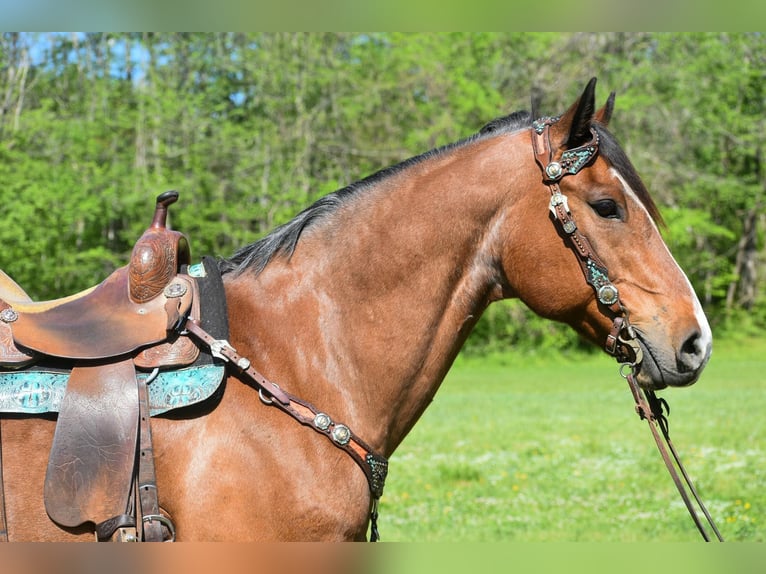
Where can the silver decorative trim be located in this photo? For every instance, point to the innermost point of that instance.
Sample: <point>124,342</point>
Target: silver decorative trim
<point>322,421</point>
<point>570,227</point>
<point>608,294</point>
<point>341,434</point>
<point>554,170</point>
<point>175,290</point>
<point>557,199</point>
<point>8,315</point>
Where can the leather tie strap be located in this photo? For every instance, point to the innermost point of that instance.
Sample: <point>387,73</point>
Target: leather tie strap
<point>148,501</point>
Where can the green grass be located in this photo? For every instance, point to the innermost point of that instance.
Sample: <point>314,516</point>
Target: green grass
<point>550,449</point>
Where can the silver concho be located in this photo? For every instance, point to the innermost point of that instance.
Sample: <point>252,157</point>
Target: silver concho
<point>608,294</point>
<point>8,315</point>
<point>341,434</point>
<point>175,290</point>
<point>553,170</point>
<point>322,421</point>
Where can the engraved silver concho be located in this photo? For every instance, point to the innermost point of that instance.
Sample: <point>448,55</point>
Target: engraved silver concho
<point>8,315</point>
<point>175,290</point>
<point>570,227</point>
<point>341,434</point>
<point>554,170</point>
<point>322,421</point>
<point>608,294</point>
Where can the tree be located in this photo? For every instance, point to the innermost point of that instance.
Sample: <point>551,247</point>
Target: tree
<point>251,128</point>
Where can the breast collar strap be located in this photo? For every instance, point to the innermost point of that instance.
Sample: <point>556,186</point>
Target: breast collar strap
<point>374,466</point>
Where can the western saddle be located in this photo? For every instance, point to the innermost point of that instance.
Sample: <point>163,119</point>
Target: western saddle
<point>101,467</point>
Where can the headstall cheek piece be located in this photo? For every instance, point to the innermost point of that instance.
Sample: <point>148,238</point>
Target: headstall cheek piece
<point>621,342</point>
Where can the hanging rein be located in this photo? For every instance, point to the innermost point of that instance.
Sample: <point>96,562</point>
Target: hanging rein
<point>621,342</point>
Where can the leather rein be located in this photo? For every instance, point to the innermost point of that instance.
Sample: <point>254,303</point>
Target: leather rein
<point>622,342</point>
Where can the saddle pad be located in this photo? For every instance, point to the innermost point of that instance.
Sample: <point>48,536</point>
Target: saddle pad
<point>41,391</point>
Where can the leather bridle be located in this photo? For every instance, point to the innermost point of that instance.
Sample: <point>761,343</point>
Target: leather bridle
<point>621,342</point>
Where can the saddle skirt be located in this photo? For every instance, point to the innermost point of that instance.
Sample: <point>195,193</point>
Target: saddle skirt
<point>40,387</point>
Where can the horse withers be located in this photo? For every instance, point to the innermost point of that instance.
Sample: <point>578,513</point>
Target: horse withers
<point>360,304</point>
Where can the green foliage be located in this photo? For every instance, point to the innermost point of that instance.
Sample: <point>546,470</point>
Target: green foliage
<point>509,324</point>
<point>252,127</point>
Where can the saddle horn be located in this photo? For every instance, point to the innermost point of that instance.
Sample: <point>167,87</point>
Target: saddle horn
<point>164,201</point>
<point>157,255</point>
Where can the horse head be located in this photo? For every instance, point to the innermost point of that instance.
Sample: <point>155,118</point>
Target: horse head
<point>597,260</point>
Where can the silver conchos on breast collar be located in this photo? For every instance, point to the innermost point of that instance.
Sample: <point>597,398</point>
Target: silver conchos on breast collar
<point>621,342</point>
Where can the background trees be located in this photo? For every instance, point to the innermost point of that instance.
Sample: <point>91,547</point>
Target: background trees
<point>253,127</point>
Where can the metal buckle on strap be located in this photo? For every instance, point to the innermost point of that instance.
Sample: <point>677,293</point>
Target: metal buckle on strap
<point>165,521</point>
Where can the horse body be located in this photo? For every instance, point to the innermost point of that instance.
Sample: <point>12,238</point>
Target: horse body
<point>360,306</point>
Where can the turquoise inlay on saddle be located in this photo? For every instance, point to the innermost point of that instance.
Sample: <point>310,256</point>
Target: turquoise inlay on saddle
<point>41,391</point>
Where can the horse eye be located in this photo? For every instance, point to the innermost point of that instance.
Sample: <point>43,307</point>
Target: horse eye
<point>606,208</point>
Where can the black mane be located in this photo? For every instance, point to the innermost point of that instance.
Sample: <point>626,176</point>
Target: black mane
<point>283,239</point>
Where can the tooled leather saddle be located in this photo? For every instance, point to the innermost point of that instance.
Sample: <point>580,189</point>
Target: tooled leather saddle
<point>95,355</point>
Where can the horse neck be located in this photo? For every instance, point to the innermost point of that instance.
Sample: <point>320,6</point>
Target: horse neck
<point>370,311</point>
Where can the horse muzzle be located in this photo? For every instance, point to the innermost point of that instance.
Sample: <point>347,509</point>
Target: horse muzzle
<point>670,366</point>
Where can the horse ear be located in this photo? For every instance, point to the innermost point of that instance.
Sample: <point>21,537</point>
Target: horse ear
<point>574,126</point>
<point>605,113</point>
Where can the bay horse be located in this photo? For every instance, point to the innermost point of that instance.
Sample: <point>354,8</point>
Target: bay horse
<point>361,303</point>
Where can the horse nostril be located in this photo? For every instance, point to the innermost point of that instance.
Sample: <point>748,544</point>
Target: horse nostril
<point>693,353</point>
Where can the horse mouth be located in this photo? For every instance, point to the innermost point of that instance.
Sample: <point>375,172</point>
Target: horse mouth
<point>658,369</point>
<point>648,373</point>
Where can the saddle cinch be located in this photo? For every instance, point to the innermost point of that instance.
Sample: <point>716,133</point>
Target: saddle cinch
<point>102,349</point>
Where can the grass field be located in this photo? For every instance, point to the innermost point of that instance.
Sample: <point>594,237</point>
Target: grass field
<point>550,449</point>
